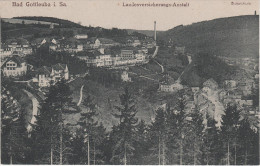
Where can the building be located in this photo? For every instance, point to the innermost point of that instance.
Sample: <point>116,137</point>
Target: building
<point>47,75</point>
<point>81,36</point>
<point>14,66</point>
<point>19,45</point>
<point>127,54</point>
<point>167,84</point>
<point>195,89</point>
<point>52,43</point>
<point>179,50</point>
<point>125,77</point>
<point>230,84</point>
<point>210,84</point>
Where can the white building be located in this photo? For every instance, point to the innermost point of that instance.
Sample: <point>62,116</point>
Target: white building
<point>14,66</point>
<point>46,75</point>
<point>81,36</point>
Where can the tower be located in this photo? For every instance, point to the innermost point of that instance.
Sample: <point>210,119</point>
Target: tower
<point>154,30</point>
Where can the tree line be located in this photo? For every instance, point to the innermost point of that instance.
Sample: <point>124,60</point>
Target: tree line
<point>174,136</point>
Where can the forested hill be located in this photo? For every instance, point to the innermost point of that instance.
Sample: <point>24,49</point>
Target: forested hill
<point>233,36</point>
<point>62,22</point>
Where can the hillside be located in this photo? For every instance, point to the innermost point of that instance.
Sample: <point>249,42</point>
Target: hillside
<point>149,33</point>
<point>62,22</point>
<point>233,36</point>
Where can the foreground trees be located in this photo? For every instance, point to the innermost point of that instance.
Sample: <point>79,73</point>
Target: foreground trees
<point>175,136</point>
<point>123,134</point>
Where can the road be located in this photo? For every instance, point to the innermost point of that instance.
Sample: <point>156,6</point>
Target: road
<point>35,104</point>
<point>81,95</point>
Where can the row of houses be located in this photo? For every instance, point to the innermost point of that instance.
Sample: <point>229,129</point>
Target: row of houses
<point>108,58</point>
<point>20,46</point>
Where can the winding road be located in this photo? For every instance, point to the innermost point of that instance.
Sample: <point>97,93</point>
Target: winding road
<point>35,104</point>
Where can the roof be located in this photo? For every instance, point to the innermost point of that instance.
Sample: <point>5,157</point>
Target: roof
<point>211,80</point>
<point>19,41</point>
<point>48,40</point>
<point>106,41</point>
<point>167,80</point>
<point>59,66</point>
<point>44,70</point>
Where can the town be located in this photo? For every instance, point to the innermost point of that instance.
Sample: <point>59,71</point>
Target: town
<point>97,68</point>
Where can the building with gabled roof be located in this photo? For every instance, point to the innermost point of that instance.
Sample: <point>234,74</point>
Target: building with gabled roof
<point>45,75</point>
<point>167,84</point>
<point>14,66</point>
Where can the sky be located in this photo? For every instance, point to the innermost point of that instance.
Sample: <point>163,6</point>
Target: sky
<point>114,13</point>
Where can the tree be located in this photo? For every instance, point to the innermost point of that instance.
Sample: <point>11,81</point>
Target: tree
<point>230,121</point>
<point>212,147</point>
<point>90,133</point>
<point>248,139</point>
<point>158,133</point>
<point>195,136</point>
<point>141,144</point>
<point>13,134</point>
<point>49,130</point>
<point>123,133</point>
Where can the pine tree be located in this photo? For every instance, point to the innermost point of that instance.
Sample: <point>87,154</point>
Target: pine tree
<point>92,134</point>
<point>230,122</point>
<point>157,138</point>
<point>13,134</point>
<point>195,136</point>
<point>141,144</point>
<point>248,140</point>
<point>123,133</point>
<point>212,147</point>
<point>49,131</point>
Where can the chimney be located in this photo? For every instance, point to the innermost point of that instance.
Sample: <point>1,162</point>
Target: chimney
<point>154,30</point>
<point>255,12</point>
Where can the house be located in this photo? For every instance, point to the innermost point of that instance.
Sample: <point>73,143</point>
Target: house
<point>52,43</point>
<point>14,66</point>
<point>125,77</point>
<point>195,89</point>
<point>45,75</point>
<point>179,50</point>
<point>167,84</point>
<point>149,43</point>
<point>230,84</point>
<point>140,57</point>
<point>210,84</point>
<point>19,45</point>
<point>95,43</point>
<point>81,36</point>
<point>136,43</point>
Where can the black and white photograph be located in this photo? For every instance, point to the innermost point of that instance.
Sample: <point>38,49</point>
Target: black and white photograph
<point>129,82</point>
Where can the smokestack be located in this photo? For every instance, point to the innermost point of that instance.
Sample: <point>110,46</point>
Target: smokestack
<point>154,30</point>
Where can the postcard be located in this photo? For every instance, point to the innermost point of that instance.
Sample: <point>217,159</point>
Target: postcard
<point>129,82</point>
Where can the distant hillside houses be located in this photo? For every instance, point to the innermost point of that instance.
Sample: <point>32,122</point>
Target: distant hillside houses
<point>14,66</point>
<point>81,36</point>
<point>179,50</point>
<point>19,45</point>
<point>46,75</point>
<point>112,57</point>
<point>52,43</point>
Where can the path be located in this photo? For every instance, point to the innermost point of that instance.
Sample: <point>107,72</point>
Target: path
<point>159,65</point>
<point>81,95</point>
<point>155,52</point>
<point>179,79</point>
<point>35,104</point>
